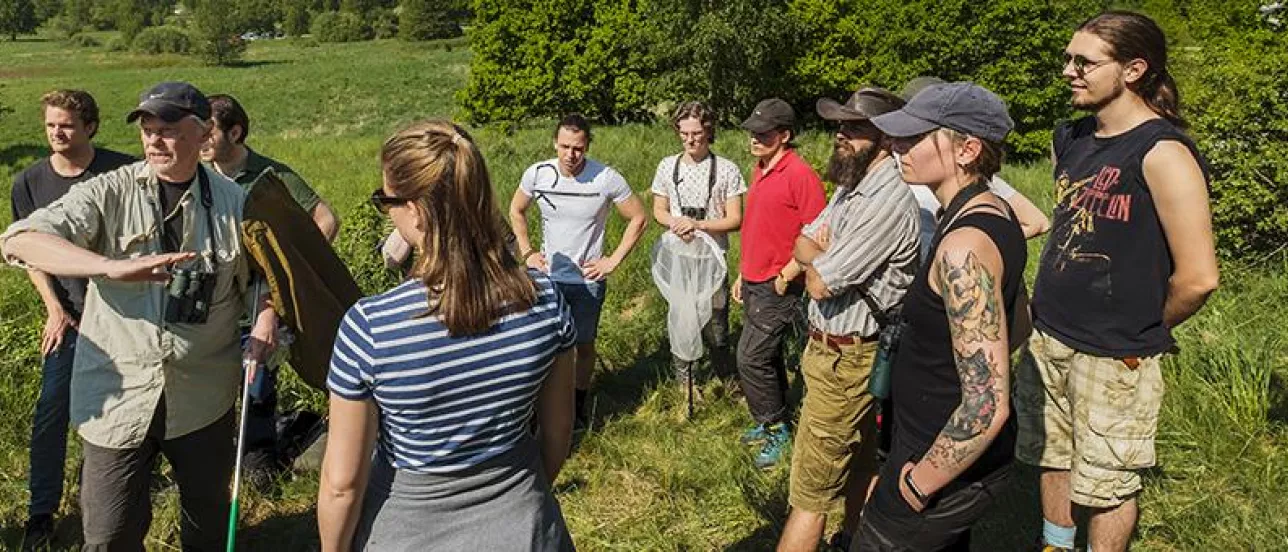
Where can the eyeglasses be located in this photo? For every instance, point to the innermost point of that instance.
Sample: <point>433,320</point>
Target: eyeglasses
<point>383,202</point>
<point>1082,65</point>
<point>853,130</point>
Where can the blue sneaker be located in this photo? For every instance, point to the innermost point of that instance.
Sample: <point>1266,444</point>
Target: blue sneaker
<point>754,435</point>
<point>771,452</point>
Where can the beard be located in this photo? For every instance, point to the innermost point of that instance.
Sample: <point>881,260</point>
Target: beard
<point>1093,104</point>
<point>848,165</point>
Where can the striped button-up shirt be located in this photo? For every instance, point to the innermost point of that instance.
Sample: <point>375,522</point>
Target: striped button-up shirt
<point>874,247</point>
<point>126,355</point>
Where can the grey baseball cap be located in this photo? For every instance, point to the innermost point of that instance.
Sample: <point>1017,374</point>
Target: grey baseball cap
<point>866,103</point>
<point>962,106</point>
<point>171,101</point>
<point>769,115</point>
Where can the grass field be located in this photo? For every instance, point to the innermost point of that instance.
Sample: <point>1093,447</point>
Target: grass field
<point>643,478</point>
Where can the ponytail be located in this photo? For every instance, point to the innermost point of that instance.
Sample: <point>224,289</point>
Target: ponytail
<point>1164,98</point>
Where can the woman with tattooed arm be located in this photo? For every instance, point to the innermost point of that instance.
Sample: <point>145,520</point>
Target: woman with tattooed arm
<point>953,435</point>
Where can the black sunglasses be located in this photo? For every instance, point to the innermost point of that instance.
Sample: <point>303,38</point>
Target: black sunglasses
<point>1082,65</point>
<point>383,202</point>
<point>855,129</point>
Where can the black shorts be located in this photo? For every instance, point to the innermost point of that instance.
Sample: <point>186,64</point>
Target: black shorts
<point>889,524</point>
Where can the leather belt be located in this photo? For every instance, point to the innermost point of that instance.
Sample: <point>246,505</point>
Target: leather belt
<point>834,341</point>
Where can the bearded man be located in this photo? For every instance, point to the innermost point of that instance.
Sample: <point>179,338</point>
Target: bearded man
<point>860,254</point>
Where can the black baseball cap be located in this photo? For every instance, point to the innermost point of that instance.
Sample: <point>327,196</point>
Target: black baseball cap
<point>172,101</point>
<point>769,115</point>
<point>866,103</point>
<point>962,106</point>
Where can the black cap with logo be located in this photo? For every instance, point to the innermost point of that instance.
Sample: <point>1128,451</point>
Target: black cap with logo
<point>769,115</point>
<point>171,101</point>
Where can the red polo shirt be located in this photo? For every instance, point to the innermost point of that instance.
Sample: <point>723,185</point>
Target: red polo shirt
<point>781,201</point>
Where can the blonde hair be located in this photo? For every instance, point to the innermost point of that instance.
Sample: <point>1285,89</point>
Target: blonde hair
<point>78,102</point>
<point>473,278</point>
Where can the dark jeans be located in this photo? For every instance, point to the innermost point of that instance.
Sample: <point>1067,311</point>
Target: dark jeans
<point>49,428</point>
<point>762,370</point>
<point>889,524</point>
<point>115,502</point>
<point>261,413</point>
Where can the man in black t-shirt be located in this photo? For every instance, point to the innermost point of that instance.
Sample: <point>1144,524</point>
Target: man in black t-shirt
<point>71,120</point>
<point>1131,256</point>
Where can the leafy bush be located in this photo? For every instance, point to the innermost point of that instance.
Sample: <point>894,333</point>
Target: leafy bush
<point>217,32</point>
<point>620,59</point>
<point>295,19</point>
<point>118,44</point>
<point>83,41</point>
<point>340,27</point>
<point>426,20</point>
<point>1011,47</point>
<point>1234,95</point>
<point>162,40</point>
<point>384,23</point>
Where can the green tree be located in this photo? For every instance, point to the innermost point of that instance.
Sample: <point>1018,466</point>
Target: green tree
<point>217,32</point>
<point>295,17</point>
<point>17,17</point>
<point>425,20</point>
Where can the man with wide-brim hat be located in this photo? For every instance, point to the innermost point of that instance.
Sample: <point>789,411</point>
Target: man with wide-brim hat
<point>157,366</point>
<point>785,195</point>
<point>859,256</point>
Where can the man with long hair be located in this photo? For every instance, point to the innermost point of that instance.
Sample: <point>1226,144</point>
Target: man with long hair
<point>1131,256</point>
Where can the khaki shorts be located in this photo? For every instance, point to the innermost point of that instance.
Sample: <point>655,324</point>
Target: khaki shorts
<point>837,430</point>
<point>1094,416</point>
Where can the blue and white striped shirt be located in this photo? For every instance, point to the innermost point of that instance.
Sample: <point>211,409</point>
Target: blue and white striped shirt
<point>447,403</point>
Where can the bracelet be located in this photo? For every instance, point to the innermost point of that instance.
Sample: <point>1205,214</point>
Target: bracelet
<point>529,253</point>
<point>912,487</point>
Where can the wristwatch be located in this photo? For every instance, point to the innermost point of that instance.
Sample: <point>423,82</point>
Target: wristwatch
<point>916,493</point>
<point>529,253</point>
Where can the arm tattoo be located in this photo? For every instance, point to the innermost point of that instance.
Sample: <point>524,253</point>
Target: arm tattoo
<point>972,307</point>
<point>974,316</point>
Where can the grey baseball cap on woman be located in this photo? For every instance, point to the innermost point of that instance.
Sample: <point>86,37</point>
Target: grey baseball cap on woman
<point>962,106</point>
<point>171,101</point>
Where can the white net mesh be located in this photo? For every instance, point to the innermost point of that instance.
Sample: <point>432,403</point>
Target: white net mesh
<point>687,274</point>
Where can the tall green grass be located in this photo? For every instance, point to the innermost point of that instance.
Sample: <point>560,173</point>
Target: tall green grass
<point>643,478</point>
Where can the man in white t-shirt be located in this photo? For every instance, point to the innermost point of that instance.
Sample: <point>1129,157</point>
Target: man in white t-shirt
<point>696,191</point>
<point>573,194</point>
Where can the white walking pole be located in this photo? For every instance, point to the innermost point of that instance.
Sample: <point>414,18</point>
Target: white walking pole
<point>248,366</point>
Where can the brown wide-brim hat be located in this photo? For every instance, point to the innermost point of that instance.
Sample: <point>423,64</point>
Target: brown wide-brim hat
<point>864,104</point>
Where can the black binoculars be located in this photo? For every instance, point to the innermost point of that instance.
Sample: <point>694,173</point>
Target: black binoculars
<point>188,296</point>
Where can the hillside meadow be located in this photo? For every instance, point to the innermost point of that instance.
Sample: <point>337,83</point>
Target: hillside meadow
<point>644,477</point>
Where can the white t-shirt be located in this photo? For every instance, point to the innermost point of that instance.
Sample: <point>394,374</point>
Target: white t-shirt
<point>692,187</point>
<point>574,213</point>
<point>928,207</point>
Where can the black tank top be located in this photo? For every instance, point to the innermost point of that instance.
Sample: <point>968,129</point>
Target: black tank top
<point>1102,280</point>
<point>925,386</point>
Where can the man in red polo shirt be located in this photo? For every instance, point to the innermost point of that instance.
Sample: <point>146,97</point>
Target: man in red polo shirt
<point>785,195</point>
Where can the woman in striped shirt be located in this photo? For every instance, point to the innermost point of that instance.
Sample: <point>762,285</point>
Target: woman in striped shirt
<point>443,375</point>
